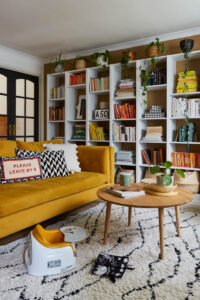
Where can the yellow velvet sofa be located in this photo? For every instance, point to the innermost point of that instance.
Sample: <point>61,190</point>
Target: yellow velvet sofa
<point>27,203</point>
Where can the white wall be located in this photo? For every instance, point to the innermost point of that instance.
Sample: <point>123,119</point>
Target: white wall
<point>22,62</point>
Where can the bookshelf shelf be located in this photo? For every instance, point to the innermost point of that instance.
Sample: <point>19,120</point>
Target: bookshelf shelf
<point>149,166</point>
<point>77,86</point>
<point>185,94</point>
<point>184,168</point>
<point>156,87</point>
<point>173,64</point>
<point>99,92</point>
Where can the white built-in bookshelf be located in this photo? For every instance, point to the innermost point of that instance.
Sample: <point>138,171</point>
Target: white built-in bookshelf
<point>156,95</point>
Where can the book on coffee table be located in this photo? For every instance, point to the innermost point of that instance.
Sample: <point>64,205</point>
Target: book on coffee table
<point>125,194</point>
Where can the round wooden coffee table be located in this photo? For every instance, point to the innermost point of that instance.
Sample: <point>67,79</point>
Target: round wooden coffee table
<point>147,201</point>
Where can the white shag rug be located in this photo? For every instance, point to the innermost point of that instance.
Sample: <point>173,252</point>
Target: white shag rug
<point>177,277</point>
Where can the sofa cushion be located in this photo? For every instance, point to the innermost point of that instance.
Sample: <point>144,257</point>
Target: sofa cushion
<point>35,146</point>
<point>19,196</point>
<point>7,148</point>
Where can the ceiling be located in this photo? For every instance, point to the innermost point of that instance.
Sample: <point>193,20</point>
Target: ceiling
<point>43,27</point>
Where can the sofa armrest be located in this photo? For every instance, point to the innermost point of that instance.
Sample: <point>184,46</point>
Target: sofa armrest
<point>97,159</point>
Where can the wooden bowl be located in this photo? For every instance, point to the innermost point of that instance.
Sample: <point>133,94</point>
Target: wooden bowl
<point>161,188</point>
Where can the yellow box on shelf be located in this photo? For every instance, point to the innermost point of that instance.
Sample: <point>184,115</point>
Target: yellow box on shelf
<point>187,74</point>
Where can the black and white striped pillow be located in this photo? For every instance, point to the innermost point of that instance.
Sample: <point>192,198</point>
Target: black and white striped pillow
<point>53,163</point>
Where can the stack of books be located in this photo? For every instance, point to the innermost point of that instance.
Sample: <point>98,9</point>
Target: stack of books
<point>182,106</point>
<point>125,156</point>
<point>98,133</point>
<point>155,111</point>
<point>153,156</point>
<point>125,88</point>
<point>57,92</point>
<point>125,194</point>
<point>79,78</point>
<point>56,113</point>
<point>185,160</point>
<point>187,82</point>
<point>154,134</point>
<point>123,133</point>
<point>99,84</point>
<point>79,132</point>
<point>126,111</point>
<point>186,133</point>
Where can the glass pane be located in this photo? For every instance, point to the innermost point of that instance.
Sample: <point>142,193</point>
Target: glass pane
<point>29,126</point>
<point>20,139</point>
<point>3,105</point>
<point>3,126</point>
<point>29,89</point>
<point>30,139</point>
<point>3,84</point>
<point>29,108</point>
<point>20,87</point>
<point>19,126</point>
<point>19,107</point>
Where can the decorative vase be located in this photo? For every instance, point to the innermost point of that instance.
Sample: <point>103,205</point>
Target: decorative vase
<point>59,68</point>
<point>132,55</point>
<point>152,51</point>
<point>101,62</point>
<point>80,64</point>
<point>186,45</point>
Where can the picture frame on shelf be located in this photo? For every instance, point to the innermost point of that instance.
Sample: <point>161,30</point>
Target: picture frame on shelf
<point>81,108</point>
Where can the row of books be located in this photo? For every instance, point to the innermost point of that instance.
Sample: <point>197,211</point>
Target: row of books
<point>122,133</point>
<point>79,132</point>
<point>184,106</point>
<point>157,76</point>
<point>57,92</point>
<point>99,84</point>
<point>78,78</point>
<point>126,111</point>
<point>187,82</point>
<point>56,113</point>
<point>185,160</point>
<point>153,156</point>
<point>123,156</point>
<point>3,126</point>
<point>155,111</point>
<point>186,133</point>
<point>125,88</point>
<point>98,133</point>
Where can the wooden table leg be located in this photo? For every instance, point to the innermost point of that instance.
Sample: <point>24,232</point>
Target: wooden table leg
<point>178,220</point>
<point>107,221</point>
<point>161,228</point>
<point>129,215</point>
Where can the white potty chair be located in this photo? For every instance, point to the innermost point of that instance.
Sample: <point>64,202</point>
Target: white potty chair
<point>48,253</point>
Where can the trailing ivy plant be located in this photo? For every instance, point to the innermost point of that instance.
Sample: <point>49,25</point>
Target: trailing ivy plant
<point>161,46</point>
<point>125,60</point>
<point>166,177</point>
<point>145,75</point>
<point>105,55</point>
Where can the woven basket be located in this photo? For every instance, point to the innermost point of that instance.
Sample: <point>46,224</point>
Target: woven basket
<point>190,182</point>
<point>152,51</point>
<point>80,64</point>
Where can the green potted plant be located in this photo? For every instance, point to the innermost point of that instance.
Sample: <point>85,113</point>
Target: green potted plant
<point>80,62</point>
<point>166,178</point>
<point>101,59</point>
<point>155,48</point>
<point>59,63</point>
<point>127,56</point>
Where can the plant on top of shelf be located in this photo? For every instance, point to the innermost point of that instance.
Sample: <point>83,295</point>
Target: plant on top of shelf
<point>127,56</point>
<point>59,63</point>
<point>101,59</point>
<point>166,178</point>
<point>80,62</point>
<point>155,48</point>
<point>186,46</point>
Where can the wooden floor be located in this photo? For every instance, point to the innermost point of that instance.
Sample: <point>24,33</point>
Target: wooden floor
<point>26,231</point>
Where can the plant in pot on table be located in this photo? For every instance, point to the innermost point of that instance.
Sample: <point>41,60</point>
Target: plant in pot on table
<point>166,178</point>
